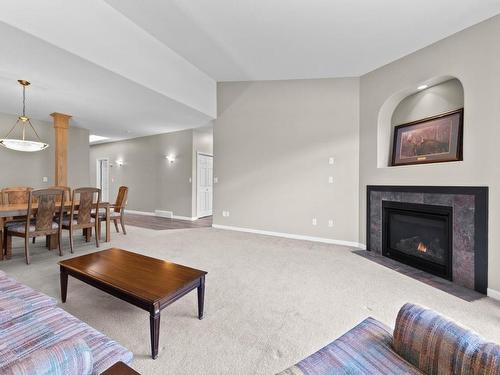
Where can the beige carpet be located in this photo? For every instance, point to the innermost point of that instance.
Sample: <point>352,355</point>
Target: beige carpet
<point>269,301</point>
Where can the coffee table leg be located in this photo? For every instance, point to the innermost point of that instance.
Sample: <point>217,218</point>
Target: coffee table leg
<point>154,322</point>
<point>201,297</point>
<point>64,285</point>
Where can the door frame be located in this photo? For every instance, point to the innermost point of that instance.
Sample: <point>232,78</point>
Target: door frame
<point>198,153</point>
<point>98,175</point>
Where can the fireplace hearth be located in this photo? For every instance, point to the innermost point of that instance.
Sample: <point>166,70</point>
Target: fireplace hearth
<point>419,235</point>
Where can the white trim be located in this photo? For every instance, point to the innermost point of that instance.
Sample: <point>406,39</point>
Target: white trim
<point>185,218</point>
<point>139,212</point>
<point>495,294</point>
<point>163,213</point>
<point>198,154</point>
<point>293,236</point>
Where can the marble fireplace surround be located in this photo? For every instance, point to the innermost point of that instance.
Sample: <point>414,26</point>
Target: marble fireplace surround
<point>470,225</point>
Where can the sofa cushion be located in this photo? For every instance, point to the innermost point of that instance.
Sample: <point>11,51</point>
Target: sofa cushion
<point>68,357</point>
<point>365,349</point>
<point>49,326</point>
<point>17,299</point>
<point>439,346</point>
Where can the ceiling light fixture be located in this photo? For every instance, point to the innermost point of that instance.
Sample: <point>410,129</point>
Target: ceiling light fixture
<point>23,144</point>
<point>422,87</point>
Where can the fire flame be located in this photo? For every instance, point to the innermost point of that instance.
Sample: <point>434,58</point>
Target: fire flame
<point>421,247</point>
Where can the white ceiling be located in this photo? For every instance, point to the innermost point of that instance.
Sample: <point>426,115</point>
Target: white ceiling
<point>291,39</point>
<point>127,68</point>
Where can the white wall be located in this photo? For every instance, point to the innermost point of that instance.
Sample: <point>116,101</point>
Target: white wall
<point>273,141</point>
<point>471,56</point>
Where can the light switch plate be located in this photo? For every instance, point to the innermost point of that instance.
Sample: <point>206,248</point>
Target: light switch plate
<point>216,180</point>
<point>330,223</point>
<point>45,179</point>
<point>330,179</point>
<point>314,221</point>
<point>331,161</point>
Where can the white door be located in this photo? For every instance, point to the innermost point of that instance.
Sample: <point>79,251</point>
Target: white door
<point>204,179</point>
<point>103,178</point>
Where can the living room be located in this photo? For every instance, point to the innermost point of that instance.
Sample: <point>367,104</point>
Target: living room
<point>322,173</point>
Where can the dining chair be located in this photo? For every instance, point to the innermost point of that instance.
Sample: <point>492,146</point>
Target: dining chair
<point>13,195</point>
<point>16,195</point>
<point>43,222</point>
<point>67,191</point>
<point>80,216</point>
<point>117,211</point>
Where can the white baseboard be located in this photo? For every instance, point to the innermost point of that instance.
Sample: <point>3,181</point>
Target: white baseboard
<point>495,294</point>
<point>140,212</point>
<point>160,213</point>
<point>292,236</point>
<point>185,218</point>
<point>167,214</point>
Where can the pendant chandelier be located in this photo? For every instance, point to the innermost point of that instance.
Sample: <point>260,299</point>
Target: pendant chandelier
<point>23,144</point>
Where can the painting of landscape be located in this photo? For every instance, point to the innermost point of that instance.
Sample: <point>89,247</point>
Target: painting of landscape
<point>430,140</point>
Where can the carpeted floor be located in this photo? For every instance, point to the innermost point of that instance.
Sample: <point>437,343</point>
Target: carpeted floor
<point>269,301</point>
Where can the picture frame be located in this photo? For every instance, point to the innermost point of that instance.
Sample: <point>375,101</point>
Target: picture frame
<point>435,139</point>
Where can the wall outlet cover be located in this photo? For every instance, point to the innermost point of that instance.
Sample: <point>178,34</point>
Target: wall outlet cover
<point>314,221</point>
<point>45,179</point>
<point>330,179</point>
<point>331,161</point>
<point>330,223</point>
<point>216,180</point>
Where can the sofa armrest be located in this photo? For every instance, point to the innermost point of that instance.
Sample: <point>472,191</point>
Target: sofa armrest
<point>437,345</point>
<point>71,356</point>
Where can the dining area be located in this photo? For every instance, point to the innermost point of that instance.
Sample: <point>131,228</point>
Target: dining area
<point>57,214</point>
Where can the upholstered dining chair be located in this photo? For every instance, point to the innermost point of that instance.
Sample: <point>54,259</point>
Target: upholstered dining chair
<point>117,211</point>
<point>83,202</point>
<point>14,195</point>
<point>43,222</point>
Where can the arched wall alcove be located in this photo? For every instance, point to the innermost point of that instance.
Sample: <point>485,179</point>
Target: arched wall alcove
<point>443,94</point>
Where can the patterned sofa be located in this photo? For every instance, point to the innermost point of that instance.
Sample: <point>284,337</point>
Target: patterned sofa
<point>37,337</point>
<point>424,342</point>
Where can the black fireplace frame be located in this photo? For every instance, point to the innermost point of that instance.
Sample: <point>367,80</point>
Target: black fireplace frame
<point>481,195</point>
<point>419,210</point>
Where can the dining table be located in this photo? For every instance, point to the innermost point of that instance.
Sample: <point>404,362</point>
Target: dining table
<point>52,241</point>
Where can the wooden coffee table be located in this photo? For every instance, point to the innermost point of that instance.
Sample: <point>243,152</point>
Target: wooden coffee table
<point>149,283</point>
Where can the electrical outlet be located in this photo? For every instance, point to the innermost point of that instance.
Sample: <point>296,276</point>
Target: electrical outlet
<point>314,221</point>
<point>330,179</point>
<point>225,213</point>
<point>330,223</point>
<point>45,179</point>
<point>331,161</point>
<point>190,180</point>
<point>216,180</point>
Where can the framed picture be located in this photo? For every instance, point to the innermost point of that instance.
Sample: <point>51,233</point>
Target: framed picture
<point>431,140</point>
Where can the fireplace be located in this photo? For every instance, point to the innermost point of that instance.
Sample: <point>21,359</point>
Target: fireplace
<point>419,235</point>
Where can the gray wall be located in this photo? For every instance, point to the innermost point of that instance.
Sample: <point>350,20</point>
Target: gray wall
<point>272,144</point>
<point>28,169</point>
<point>472,56</point>
<point>154,183</point>
<point>441,98</point>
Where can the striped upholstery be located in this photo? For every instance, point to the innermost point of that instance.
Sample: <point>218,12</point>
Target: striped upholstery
<point>40,325</point>
<point>365,349</point>
<point>17,299</point>
<point>70,357</point>
<point>438,346</point>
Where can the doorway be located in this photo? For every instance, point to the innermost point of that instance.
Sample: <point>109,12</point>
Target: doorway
<point>204,184</point>
<point>102,178</point>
